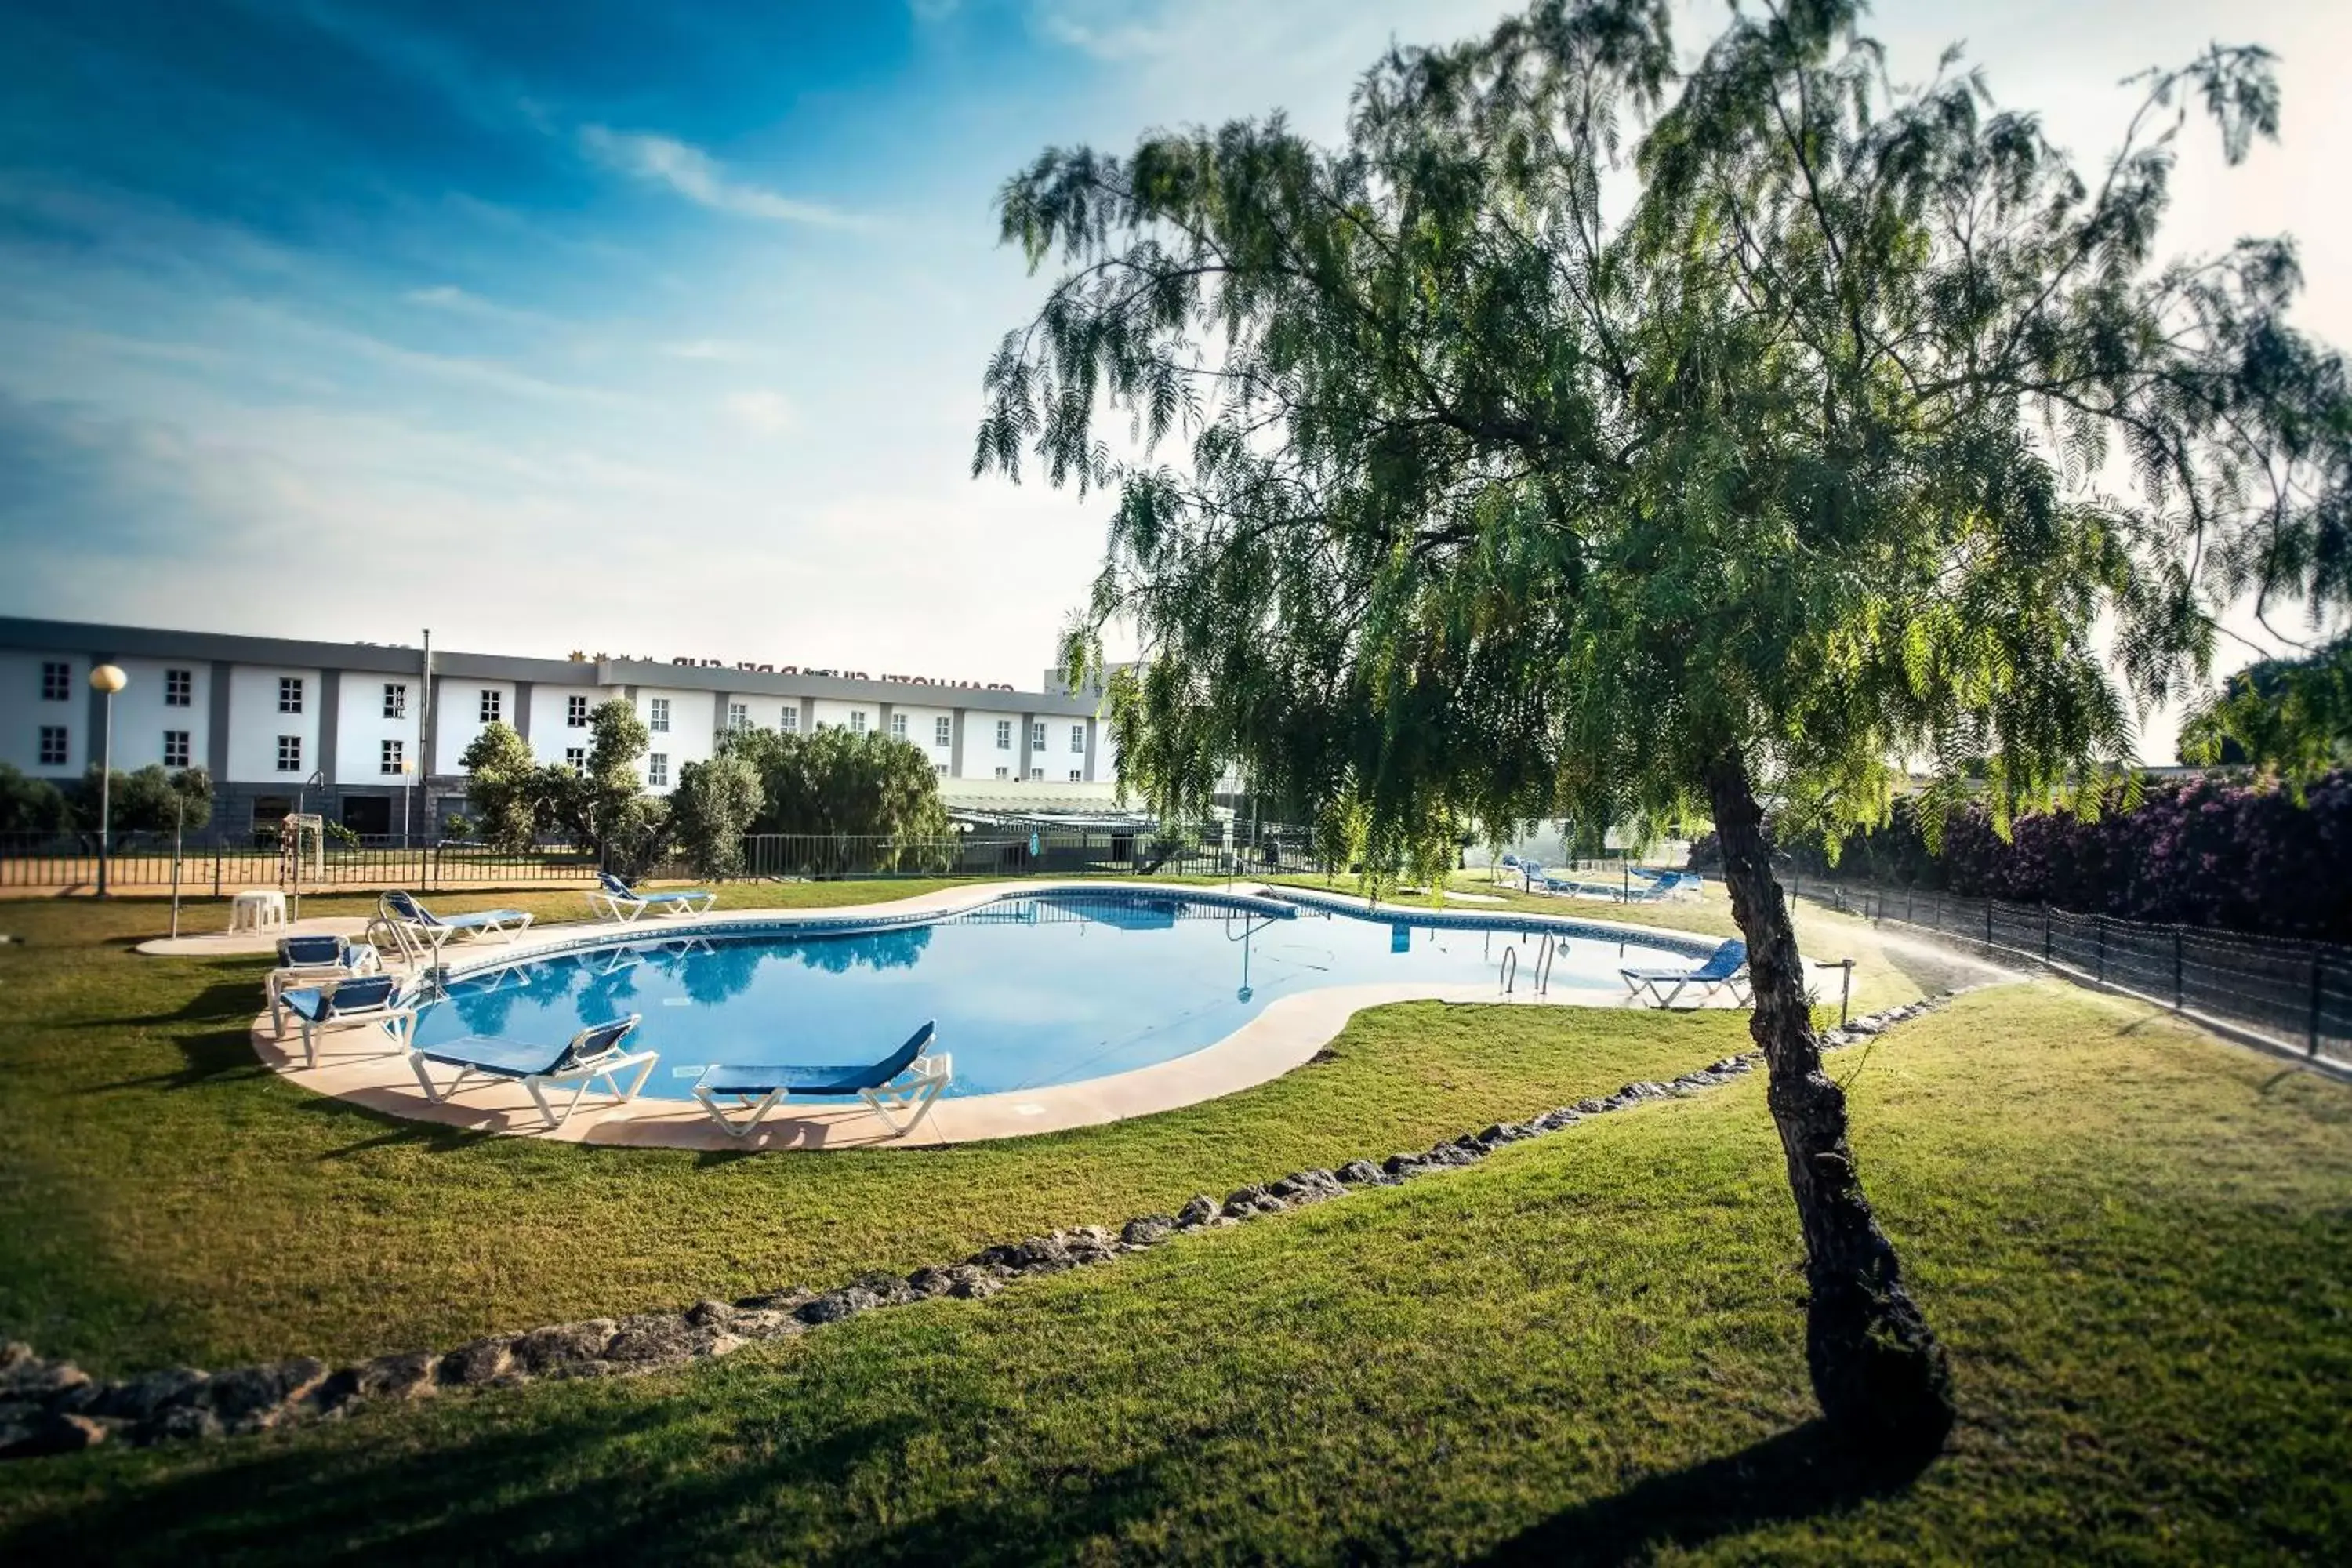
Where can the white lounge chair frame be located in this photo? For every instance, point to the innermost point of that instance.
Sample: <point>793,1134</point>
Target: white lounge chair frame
<point>609,904</point>
<point>917,1090</point>
<point>296,976</point>
<point>418,939</point>
<point>396,1017</point>
<point>1637,981</point>
<point>583,1074</point>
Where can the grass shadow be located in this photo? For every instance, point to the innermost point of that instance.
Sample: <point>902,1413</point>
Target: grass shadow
<point>608,1483</point>
<point>1802,1473</point>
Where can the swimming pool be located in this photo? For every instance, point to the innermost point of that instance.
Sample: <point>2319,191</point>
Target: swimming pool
<point>1029,992</point>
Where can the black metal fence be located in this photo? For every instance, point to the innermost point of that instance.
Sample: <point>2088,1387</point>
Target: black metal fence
<point>1010,851</point>
<point>146,860</point>
<point>2297,993</point>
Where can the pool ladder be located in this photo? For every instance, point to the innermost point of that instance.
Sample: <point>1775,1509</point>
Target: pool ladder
<point>1507,975</point>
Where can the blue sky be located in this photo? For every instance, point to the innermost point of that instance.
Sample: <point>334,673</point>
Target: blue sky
<point>658,328</point>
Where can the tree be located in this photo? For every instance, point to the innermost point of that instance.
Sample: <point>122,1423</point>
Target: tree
<point>2291,717</point>
<point>606,808</point>
<point>838,782</point>
<point>713,808</point>
<point>29,805</point>
<point>147,800</point>
<point>1497,504</point>
<point>505,788</point>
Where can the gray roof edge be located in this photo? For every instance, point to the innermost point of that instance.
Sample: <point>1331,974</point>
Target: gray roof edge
<point>152,642</point>
<point>30,635</point>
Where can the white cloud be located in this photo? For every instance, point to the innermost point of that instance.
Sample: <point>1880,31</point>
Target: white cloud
<point>761,412</point>
<point>708,348</point>
<point>695,176</point>
<point>1108,32</point>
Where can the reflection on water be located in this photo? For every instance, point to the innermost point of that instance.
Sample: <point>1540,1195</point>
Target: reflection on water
<point>1054,989</point>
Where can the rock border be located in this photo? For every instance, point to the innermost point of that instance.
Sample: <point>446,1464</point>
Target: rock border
<point>55,1407</point>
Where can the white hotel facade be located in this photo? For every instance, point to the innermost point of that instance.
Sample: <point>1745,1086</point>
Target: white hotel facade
<point>341,727</point>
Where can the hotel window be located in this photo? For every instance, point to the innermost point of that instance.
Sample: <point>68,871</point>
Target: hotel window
<point>1077,739</point>
<point>738,716</point>
<point>575,712</point>
<point>394,754</point>
<point>657,768</point>
<point>289,694</point>
<point>1004,773</point>
<point>1037,774</point>
<point>289,754</point>
<point>658,715</point>
<point>1037,737</point>
<point>53,745</point>
<point>1074,776</point>
<point>56,682</point>
<point>576,759</point>
<point>857,720</point>
<point>788,719</point>
<point>175,748</point>
<point>942,732</point>
<point>179,689</point>
<point>897,726</point>
<point>492,705</point>
<point>1004,737</point>
<point>395,700</point>
<point>940,769</point>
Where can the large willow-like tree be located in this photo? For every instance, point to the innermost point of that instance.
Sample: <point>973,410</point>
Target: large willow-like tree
<point>1585,438</point>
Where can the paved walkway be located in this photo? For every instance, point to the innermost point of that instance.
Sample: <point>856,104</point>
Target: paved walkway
<point>231,943</point>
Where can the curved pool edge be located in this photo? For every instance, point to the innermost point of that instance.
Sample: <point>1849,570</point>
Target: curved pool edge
<point>1283,1036</point>
<point>848,920</point>
<point>1689,944</point>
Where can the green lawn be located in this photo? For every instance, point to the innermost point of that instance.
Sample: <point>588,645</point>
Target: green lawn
<point>164,1199</point>
<point>2137,1242</point>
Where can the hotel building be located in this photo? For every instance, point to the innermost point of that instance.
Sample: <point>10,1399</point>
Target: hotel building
<point>369,734</point>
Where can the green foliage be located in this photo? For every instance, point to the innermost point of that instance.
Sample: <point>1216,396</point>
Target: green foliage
<point>715,804</point>
<point>607,808</point>
<point>146,800</point>
<point>2292,717</point>
<point>1496,504</point>
<point>505,787</point>
<point>339,833</point>
<point>29,805</point>
<point>835,782</point>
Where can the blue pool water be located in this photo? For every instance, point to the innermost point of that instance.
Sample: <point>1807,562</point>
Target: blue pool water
<point>1047,990</point>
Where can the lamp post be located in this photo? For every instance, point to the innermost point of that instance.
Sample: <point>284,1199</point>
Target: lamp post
<point>408,777</point>
<point>107,679</point>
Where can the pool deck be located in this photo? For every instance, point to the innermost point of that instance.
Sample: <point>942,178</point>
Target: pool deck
<point>1287,1033</point>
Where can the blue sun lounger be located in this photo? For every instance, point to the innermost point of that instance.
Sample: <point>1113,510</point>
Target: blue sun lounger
<point>314,961</point>
<point>375,999</point>
<point>614,899</point>
<point>1726,966</point>
<point>595,1054</point>
<point>910,1077</point>
<point>420,930</point>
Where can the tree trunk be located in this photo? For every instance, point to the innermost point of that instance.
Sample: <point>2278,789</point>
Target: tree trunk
<point>1878,1370</point>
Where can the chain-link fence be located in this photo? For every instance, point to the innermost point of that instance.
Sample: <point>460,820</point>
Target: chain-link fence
<point>2298,993</point>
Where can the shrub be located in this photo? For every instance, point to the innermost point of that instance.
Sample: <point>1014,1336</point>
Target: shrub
<point>2234,855</point>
